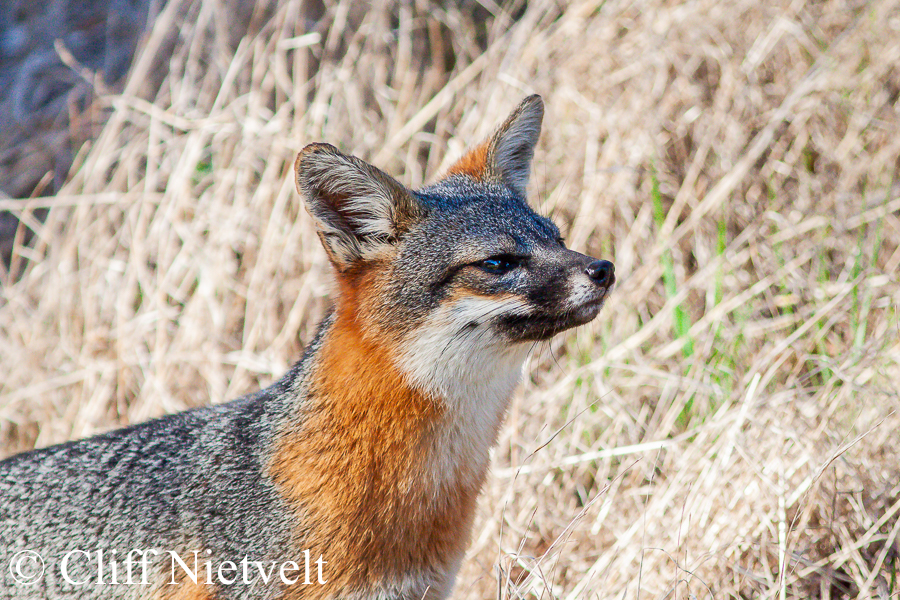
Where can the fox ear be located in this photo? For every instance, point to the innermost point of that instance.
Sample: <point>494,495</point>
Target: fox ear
<point>360,211</point>
<point>506,156</point>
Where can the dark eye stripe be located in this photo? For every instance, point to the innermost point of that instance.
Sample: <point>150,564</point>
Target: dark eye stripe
<point>499,265</point>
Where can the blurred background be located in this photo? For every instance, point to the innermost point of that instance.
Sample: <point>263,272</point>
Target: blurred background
<point>727,428</point>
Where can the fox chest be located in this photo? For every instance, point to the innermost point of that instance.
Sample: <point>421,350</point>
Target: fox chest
<point>382,513</point>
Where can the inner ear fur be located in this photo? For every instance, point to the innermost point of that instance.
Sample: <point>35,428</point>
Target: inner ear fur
<point>506,156</point>
<point>359,210</point>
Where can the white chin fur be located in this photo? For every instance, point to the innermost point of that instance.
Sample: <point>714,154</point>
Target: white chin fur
<point>458,356</point>
<point>473,370</point>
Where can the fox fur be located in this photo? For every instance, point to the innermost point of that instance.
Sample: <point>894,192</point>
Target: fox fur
<point>369,454</point>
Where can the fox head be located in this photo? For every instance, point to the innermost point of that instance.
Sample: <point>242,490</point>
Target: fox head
<point>461,277</point>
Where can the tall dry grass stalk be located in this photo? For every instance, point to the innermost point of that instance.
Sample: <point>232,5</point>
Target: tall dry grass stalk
<point>727,427</point>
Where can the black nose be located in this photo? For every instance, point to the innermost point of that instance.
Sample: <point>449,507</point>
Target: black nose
<point>602,272</point>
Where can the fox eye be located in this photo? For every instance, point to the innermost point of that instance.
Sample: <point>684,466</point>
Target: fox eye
<point>498,265</point>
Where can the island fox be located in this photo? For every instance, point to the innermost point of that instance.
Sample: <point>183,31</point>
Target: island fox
<point>356,475</point>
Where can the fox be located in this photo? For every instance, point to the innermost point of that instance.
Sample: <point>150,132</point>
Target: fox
<point>355,476</point>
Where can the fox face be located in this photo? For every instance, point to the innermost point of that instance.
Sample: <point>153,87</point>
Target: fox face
<point>515,264</point>
<point>460,278</point>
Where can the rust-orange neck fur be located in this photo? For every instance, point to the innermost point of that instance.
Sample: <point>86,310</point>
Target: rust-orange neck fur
<point>357,466</point>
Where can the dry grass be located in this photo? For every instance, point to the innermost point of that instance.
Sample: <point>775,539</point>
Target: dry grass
<point>726,428</point>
